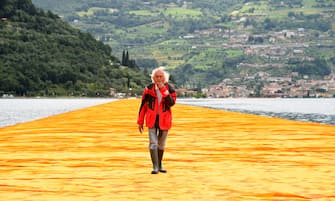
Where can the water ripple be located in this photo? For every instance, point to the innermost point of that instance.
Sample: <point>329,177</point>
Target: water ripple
<point>318,118</point>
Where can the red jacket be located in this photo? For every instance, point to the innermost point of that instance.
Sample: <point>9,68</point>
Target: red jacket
<point>149,106</point>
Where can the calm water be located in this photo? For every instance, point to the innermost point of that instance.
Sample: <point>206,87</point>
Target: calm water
<point>314,110</point>
<point>13,111</point>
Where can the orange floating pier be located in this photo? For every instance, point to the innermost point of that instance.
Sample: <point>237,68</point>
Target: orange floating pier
<point>97,153</point>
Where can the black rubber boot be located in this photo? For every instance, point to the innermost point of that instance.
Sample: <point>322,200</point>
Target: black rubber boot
<point>154,159</point>
<point>160,157</point>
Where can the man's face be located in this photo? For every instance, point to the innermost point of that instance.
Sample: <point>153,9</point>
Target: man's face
<point>159,77</point>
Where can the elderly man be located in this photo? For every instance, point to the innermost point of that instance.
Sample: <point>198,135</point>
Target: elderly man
<point>157,100</point>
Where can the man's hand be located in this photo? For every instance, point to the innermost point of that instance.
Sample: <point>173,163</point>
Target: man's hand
<point>140,128</point>
<point>160,85</point>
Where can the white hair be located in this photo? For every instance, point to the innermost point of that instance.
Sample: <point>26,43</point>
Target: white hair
<point>166,74</point>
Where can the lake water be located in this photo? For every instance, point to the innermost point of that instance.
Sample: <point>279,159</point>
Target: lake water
<point>314,110</point>
<point>13,111</point>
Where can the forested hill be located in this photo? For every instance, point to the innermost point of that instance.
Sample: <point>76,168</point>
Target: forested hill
<point>41,55</point>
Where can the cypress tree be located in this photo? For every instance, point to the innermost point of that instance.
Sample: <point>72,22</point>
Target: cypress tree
<point>127,59</point>
<point>123,58</point>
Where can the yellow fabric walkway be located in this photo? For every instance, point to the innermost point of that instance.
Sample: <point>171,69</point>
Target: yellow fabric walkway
<point>97,153</point>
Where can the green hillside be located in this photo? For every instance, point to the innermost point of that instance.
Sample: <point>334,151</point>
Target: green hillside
<point>212,39</point>
<point>42,55</point>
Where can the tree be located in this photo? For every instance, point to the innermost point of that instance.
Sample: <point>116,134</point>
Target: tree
<point>123,58</point>
<point>269,24</point>
<point>126,59</point>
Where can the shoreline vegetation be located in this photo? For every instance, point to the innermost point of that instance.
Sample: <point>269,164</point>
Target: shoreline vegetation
<point>213,154</point>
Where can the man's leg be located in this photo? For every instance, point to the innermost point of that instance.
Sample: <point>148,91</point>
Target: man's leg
<point>153,146</point>
<point>161,146</point>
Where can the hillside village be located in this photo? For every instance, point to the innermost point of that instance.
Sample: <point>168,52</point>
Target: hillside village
<point>267,86</point>
<point>277,48</point>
